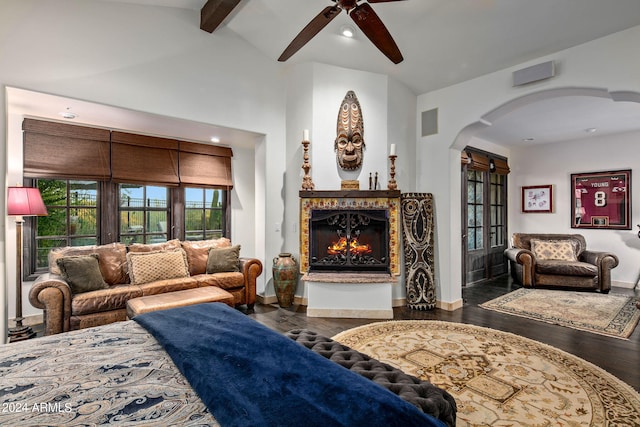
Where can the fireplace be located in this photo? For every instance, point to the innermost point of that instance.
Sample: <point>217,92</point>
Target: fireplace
<point>350,252</point>
<point>349,240</point>
<point>349,211</point>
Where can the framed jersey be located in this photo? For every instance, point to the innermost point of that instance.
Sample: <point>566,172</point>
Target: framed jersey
<point>601,200</point>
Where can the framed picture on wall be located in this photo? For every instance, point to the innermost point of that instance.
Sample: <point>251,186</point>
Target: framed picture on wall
<point>601,200</point>
<point>537,199</point>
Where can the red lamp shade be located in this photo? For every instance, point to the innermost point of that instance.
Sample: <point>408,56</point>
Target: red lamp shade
<point>25,201</point>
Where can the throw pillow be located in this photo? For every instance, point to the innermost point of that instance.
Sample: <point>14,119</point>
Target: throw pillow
<point>112,260</point>
<point>145,267</point>
<point>198,253</point>
<point>559,250</point>
<point>223,260</point>
<point>82,272</point>
<point>154,247</point>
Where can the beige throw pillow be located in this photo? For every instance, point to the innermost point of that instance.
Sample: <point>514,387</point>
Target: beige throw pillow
<point>222,260</point>
<point>559,250</point>
<point>145,267</point>
<point>154,247</point>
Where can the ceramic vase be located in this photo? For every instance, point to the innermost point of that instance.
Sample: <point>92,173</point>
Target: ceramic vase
<point>285,278</point>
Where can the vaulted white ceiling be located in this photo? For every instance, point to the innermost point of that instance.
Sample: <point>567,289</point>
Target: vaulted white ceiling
<point>445,42</point>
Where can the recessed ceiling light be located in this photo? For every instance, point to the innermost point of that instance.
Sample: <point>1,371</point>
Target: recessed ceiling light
<point>590,130</point>
<point>69,115</point>
<point>215,139</point>
<point>528,139</point>
<point>347,31</point>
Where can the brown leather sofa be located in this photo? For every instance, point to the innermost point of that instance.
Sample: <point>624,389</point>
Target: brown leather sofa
<point>65,310</point>
<point>545,260</point>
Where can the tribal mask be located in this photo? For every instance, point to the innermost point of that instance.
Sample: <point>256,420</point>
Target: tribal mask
<point>349,143</point>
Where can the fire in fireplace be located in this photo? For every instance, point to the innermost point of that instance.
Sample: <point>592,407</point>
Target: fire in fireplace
<point>349,240</point>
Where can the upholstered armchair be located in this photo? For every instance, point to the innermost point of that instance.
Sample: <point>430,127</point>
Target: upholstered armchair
<point>559,260</point>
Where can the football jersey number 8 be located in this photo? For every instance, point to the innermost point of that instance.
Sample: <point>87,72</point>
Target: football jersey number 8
<point>600,199</point>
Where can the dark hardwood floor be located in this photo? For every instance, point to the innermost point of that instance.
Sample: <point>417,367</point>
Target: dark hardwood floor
<point>617,356</point>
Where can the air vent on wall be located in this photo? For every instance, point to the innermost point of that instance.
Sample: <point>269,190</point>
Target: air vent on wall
<point>534,73</point>
<point>430,122</point>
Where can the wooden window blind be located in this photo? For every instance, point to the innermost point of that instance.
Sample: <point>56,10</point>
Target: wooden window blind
<point>500,167</point>
<point>479,162</point>
<point>205,165</point>
<point>464,158</point>
<point>59,150</point>
<point>144,159</point>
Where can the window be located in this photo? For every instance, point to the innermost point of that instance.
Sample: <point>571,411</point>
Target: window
<point>73,218</point>
<point>97,193</point>
<point>484,215</point>
<point>80,214</point>
<point>204,213</point>
<point>144,213</point>
<point>475,206</point>
<point>498,209</point>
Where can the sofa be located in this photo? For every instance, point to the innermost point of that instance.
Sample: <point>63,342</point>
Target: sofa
<point>88,286</point>
<point>559,260</point>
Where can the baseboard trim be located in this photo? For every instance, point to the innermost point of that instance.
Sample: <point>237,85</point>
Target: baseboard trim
<point>36,319</point>
<point>272,299</point>
<point>350,314</point>
<point>398,302</point>
<point>449,306</point>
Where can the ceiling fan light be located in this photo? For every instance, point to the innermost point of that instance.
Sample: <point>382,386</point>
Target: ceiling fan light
<point>347,31</point>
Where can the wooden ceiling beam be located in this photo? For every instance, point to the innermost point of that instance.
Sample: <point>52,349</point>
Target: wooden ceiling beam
<point>214,12</point>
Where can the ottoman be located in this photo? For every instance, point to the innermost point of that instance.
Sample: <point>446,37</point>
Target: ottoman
<point>175,299</point>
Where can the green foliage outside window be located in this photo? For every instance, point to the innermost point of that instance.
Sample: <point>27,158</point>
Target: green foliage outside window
<point>203,213</point>
<point>72,218</point>
<point>144,215</point>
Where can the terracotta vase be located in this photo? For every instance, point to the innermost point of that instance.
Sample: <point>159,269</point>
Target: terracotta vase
<point>285,278</point>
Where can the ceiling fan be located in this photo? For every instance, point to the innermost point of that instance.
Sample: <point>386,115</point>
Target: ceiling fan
<point>364,17</point>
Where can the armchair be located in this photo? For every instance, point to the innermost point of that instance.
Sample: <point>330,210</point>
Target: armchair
<point>559,260</point>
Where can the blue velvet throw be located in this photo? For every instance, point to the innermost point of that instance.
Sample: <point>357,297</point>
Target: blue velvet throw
<point>248,375</point>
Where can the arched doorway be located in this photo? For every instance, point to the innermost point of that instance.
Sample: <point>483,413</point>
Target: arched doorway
<point>567,110</point>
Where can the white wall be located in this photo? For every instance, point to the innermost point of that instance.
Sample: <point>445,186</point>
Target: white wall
<point>315,94</point>
<point>611,62</point>
<point>553,164</point>
<point>401,125</point>
<point>156,60</point>
<point>330,85</point>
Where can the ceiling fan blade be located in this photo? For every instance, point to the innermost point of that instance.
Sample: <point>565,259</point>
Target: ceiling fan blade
<point>372,27</point>
<point>308,32</point>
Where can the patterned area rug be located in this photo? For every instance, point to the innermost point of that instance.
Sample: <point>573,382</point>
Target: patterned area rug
<point>606,314</point>
<point>498,378</point>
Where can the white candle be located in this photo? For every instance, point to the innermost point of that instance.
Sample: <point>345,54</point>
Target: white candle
<point>305,135</point>
<point>392,152</point>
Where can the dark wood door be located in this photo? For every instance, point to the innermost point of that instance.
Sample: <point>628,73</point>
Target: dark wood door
<point>484,225</point>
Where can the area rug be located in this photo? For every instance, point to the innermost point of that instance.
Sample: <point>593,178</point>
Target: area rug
<point>498,378</point>
<point>606,314</point>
